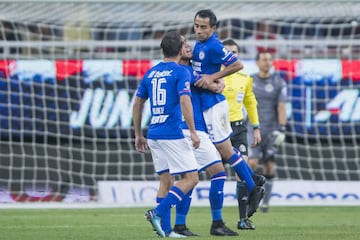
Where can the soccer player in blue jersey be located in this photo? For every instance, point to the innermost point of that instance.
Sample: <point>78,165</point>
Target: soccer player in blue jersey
<point>209,55</point>
<point>167,86</point>
<point>209,160</point>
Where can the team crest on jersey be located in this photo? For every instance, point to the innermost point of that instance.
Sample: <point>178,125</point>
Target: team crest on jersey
<point>269,87</point>
<point>201,55</point>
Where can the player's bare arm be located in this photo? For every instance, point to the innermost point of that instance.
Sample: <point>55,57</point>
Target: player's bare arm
<point>187,112</point>
<point>208,79</point>
<point>140,140</point>
<point>282,113</point>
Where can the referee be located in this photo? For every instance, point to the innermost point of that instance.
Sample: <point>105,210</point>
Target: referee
<point>238,92</point>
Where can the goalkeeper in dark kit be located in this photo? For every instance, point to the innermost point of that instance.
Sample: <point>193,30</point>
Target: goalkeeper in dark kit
<point>271,94</point>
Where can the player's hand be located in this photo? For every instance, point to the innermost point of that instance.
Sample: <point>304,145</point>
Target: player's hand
<point>205,81</point>
<point>221,85</point>
<point>141,144</point>
<point>257,138</point>
<point>195,140</point>
<point>217,86</point>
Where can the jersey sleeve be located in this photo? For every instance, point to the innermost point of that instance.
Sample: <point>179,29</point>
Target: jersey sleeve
<point>282,97</point>
<point>250,103</point>
<point>183,84</point>
<point>223,56</point>
<point>192,76</point>
<point>142,90</point>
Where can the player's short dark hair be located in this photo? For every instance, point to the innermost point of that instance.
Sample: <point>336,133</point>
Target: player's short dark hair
<point>261,52</point>
<point>231,42</point>
<point>171,44</point>
<point>207,13</point>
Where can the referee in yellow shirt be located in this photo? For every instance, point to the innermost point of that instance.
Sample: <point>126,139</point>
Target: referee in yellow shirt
<point>238,92</point>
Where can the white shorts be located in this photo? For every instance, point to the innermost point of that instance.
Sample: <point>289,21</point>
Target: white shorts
<point>175,156</point>
<point>218,122</point>
<point>207,154</point>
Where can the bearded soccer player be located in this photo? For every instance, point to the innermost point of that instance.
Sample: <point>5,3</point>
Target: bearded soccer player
<point>209,160</point>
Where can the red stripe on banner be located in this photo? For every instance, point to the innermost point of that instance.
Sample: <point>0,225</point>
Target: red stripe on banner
<point>6,67</point>
<point>335,111</point>
<point>66,68</point>
<point>135,68</point>
<point>287,66</point>
<point>351,69</point>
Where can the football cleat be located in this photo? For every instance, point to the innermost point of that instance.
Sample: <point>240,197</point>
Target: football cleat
<point>245,224</point>
<point>183,230</point>
<point>219,229</point>
<point>173,234</point>
<point>254,200</point>
<point>155,222</point>
<point>259,179</point>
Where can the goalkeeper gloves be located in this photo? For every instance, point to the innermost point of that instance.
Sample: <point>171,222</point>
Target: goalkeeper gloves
<point>278,136</point>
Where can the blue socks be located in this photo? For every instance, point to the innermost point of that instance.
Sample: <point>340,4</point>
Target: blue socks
<point>242,169</point>
<point>163,210</point>
<point>158,200</point>
<point>216,195</point>
<point>182,209</point>
<point>216,198</point>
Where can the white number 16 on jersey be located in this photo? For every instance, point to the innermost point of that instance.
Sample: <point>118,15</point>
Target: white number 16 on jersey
<point>158,93</point>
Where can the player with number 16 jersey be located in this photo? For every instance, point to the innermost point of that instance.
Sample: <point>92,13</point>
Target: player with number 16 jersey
<point>166,118</point>
<point>167,86</point>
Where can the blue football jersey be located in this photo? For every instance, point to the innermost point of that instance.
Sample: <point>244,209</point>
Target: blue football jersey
<point>195,99</point>
<point>208,57</point>
<point>163,85</point>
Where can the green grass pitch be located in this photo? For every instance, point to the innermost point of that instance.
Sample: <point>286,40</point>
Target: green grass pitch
<point>281,223</point>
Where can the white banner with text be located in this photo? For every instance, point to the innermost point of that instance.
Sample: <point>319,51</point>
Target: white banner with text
<point>285,193</point>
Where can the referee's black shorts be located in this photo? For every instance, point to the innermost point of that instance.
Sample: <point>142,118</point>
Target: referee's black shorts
<point>239,136</point>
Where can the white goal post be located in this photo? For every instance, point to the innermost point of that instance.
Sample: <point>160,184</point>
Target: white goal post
<point>69,70</point>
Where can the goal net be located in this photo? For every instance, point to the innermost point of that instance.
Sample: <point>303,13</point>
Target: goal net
<point>68,73</point>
